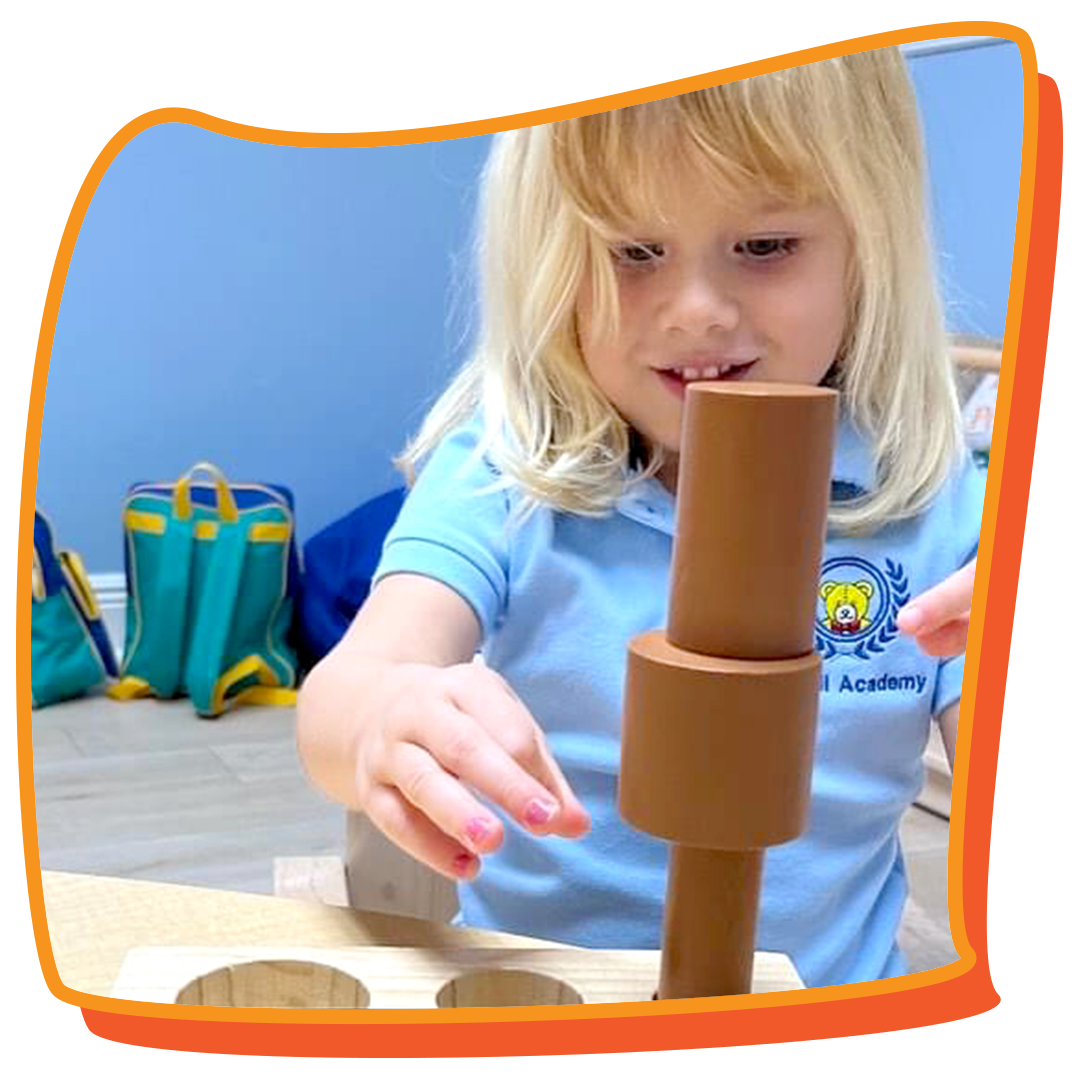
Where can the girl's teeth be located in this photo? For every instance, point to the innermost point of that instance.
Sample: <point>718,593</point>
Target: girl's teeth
<point>714,371</point>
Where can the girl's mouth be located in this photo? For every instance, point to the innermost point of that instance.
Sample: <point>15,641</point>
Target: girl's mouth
<point>678,379</point>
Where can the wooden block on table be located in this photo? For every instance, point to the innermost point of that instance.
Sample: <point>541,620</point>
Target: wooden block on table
<point>382,877</point>
<point>319,878</point>
<point>405,978</point>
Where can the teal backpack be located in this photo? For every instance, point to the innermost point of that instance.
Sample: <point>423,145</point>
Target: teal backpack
<point>212,575</point>
<point>70,651</point>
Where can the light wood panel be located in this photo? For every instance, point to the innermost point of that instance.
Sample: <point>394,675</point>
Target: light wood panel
<point>397,978</point>
<point>95,921</point>
<point>976,357</point>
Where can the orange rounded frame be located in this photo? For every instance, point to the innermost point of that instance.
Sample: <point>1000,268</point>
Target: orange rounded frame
<point>957,990</point>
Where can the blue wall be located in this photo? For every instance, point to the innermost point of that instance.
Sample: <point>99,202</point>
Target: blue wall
<point>289,313</point>
<point>972,103</point>
<point>285,313</point>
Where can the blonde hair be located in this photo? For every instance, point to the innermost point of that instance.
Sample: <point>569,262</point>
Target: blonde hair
<point>553,197</point>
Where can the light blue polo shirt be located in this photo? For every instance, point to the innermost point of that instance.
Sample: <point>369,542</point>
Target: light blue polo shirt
<point>559,597</point>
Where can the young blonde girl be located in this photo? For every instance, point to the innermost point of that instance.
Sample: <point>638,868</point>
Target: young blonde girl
<point>771,229</point>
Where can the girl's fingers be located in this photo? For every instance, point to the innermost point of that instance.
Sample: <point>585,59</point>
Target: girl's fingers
<point>465,749</point>
<point>573,819</point>
<point>479,742</point>
<point>945,603</point>
<point>442,798</point>
<point>548,805</point>
<point>418,836</point>
<point>947,640</point>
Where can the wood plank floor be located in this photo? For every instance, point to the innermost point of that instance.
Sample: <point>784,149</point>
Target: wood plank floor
<point>147,790</point>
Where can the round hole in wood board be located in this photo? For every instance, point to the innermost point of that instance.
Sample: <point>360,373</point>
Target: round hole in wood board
<point>495,988</point>
<point>277,984</point>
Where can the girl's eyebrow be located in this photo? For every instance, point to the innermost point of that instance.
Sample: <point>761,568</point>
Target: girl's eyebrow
<point>775,206</point>
<point>774,203</point>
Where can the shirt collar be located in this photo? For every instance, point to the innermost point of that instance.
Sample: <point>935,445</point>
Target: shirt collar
<point>648,502</point>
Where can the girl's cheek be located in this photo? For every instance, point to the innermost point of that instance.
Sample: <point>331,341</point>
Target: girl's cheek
<point>635,283</point>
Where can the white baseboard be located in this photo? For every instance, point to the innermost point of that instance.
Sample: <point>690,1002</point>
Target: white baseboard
<point>110,589</point>
<point>111,592</point>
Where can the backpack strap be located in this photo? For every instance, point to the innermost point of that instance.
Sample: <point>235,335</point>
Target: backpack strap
<point>37,580</point>
<point>212,691</point>
<point>50,578</point>
<point>164,619</point>
<point>267,690</point>
<point>214,617</point>
<point>129,688</point>
<point>78,584</point>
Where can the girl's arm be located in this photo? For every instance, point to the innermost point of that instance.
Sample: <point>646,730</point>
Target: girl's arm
<point>398,721</point>
<point>938,618</point>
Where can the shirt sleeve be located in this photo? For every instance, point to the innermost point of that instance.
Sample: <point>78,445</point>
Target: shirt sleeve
<point>453,528</point>
<point>965,498</point>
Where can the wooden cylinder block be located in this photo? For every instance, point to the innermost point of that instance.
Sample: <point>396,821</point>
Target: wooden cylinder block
<point>717,753</point>
<point>753,494</point>
<point>718,890</point>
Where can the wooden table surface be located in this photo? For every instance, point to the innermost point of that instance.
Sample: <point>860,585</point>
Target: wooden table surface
<point>94,921</point>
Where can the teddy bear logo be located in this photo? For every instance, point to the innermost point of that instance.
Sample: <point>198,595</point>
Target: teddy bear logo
<point>847,605</point>
<point>861,601</point>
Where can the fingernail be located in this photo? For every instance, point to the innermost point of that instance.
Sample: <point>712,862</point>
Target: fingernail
<point>464,865</point>
<point>909,619</point>
<point>539,811</point>
<point>477,829</point>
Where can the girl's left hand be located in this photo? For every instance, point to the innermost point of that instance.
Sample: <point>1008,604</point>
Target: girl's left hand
<point>938,618</point>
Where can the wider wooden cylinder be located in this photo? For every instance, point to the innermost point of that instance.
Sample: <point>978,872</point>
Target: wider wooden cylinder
<point>717,753</point>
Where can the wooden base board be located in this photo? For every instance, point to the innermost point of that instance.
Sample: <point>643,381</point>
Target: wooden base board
<point>400,978</point>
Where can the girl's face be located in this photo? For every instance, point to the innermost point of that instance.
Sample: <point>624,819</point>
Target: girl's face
<point>718,292</point>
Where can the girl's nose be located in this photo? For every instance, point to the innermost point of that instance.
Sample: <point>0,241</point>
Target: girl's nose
<point>699,303</point>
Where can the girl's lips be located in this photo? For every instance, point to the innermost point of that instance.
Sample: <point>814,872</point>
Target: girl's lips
<point>677,382</point>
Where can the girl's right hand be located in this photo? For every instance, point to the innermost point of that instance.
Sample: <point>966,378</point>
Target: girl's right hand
<point>445,739</point>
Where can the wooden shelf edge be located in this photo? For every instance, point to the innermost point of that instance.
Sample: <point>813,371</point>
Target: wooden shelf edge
<point>976,357</point>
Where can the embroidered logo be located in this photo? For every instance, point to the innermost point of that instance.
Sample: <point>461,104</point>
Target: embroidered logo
<point>858,604</point>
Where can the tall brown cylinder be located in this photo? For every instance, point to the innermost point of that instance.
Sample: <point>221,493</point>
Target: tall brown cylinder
<point>721,710</point>
<point>754,480</point>
<point>709,888</point>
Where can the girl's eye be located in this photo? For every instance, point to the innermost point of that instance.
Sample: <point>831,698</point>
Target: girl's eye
<point>766,248</point>
<point>637,254</point>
